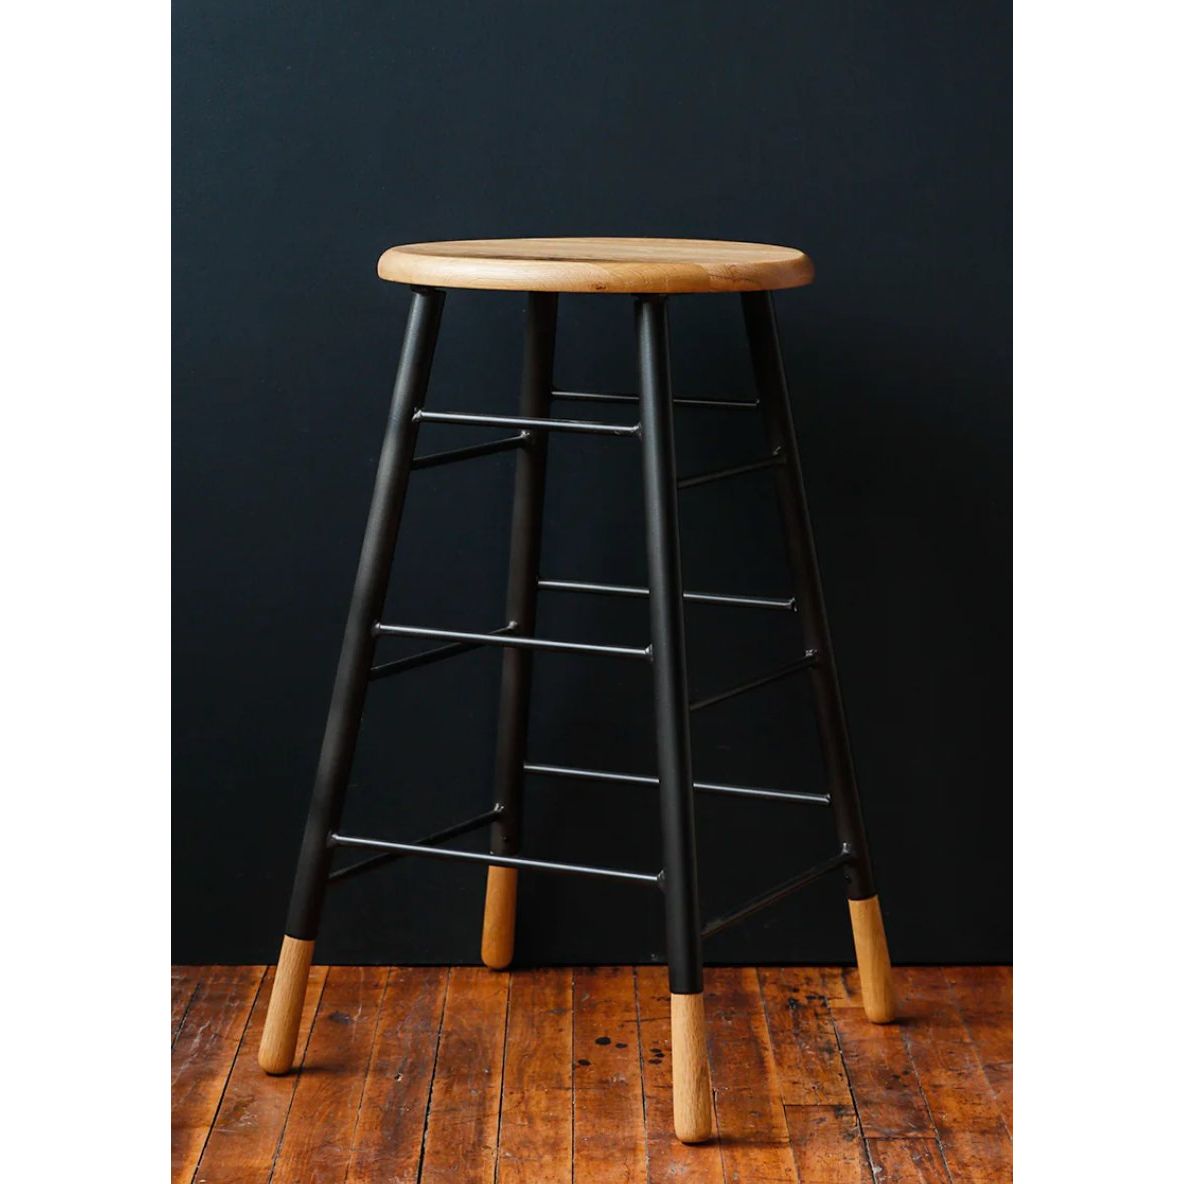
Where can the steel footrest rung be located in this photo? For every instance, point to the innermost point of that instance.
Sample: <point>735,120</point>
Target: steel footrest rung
<point>789,603</point>
<point>432,459</point>
<point>768,462</point>
<point>575,869</point>
<point>740,791</point>
<point>778,893</point>
<point>607,397</point>
<point>414,661</point>
<point>513,641</point>
<point>450,832</point>
<point>518,421</point>
<point>803,663</point>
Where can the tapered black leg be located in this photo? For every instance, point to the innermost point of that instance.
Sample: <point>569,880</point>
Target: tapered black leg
<point>684,943</point>
<point>684,950</point>
<point>497,938</point>
<point>349,687</point>
<point>769,370</point>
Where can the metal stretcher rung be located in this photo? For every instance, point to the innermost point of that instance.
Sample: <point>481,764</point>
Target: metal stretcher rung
<point>768,462</point>
<point>413,661</point>
<point>450,832</point>
<point>803,663</point>
<point>604,397</point>
<point>541,865</point>
<point>778,893</point>
<point>789,603</point>
<point>432,459</point>
<point>526,643</point>
<point>739,791</point>
<point>517,421</point>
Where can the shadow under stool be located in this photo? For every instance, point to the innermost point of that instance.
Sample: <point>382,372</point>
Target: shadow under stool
<point>649,270</point>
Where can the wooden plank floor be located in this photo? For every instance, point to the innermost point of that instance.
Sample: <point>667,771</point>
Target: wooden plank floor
<point>432,1075</point>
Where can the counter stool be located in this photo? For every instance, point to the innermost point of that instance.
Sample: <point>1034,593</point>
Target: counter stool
<point>649,270</point>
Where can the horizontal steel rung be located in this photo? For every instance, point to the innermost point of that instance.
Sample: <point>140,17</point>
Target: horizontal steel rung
<point>543,425</point>
<point>413,661</point>
<point>803,663</point>
<point>769,462</point>
<point>778,893</point>
<point>605,397</point>
<point>690,597</point>
<point>451,832</point>
<point>740,791</point>
<point>432,459</point>
<point>541,865</point>
<point>526,643</point>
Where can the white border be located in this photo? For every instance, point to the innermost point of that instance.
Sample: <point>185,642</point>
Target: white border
<point>1099,448</point>
<point>84,499</point>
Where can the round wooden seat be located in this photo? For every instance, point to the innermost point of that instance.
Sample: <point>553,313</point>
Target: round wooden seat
<point>597,265</point>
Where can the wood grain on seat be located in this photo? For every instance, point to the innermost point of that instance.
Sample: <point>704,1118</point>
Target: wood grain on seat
<point>597,265</point>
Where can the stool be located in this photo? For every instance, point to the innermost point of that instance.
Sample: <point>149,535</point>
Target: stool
<point>649,270</point>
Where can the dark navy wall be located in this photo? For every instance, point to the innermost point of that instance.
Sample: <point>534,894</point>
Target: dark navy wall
<point>310,136</point>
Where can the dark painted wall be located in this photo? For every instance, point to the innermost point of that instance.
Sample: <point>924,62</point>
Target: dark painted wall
<point>308,137</point>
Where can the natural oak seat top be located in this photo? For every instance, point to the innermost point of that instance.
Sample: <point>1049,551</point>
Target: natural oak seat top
<point>597,265</point>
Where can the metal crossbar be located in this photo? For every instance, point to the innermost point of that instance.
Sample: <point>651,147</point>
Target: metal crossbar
<point>778,893</point>
<point>412,662</point>
<point>740,791</point>
<point>517,421</point>
<point>541,865</point>
<point>450,832</point>
<point>789,603</point>
<point>604,397</point>
<point>803,663</point>
<point>513,641</point>
<point>768,462</point>
<point>432,459</point>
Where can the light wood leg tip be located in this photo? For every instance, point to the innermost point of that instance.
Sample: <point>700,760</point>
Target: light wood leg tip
<point>277,1046</point>
<point>692,1081</point>
<point>497,933</point>
<point>871,954</point>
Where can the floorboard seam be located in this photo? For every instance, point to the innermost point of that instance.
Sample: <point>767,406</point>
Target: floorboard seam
<point>978,1056</point>
<point>941,1147</point>
<point>353,1137</point>
<point>501,1093</point>
<point>760,993</point>
<point>867,1146</point>
<point>712,1078</point>
<point>185,1013</point>
<point>226,1080</point>
<point>279,1143</point>
<point>572,1058</point>
<point>645,1117</point>
<point>427,1110</point>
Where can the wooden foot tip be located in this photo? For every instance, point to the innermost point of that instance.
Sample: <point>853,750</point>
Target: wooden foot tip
<point>496,960</point>
<point>272,1065</point>
<point>691,1079</point>
<point>875,966</point>
<point>277,1046</point>
<point>696,1132</point>
<point>497,934</point>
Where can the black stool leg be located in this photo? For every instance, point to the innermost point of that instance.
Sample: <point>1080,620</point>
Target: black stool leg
<point>871,948</point>
<point>692,1087</point>
<point>278,1044</point>
<point>501,886</point>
